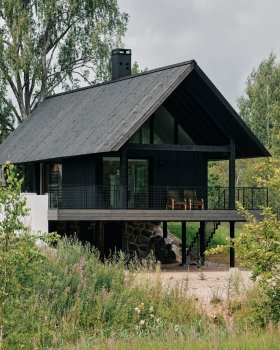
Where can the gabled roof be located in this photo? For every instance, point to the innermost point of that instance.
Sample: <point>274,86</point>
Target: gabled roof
<point>103,117</point>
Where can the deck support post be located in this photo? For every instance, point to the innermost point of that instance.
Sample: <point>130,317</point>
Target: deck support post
<point>164,227</point>
<point>232,176</point>
<point>123,178</point>
<point>202,242</point>
<point>231,249</point>
<point>184,243</point>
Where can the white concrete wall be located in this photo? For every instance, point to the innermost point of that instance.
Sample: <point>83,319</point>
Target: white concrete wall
<point>38,216</point>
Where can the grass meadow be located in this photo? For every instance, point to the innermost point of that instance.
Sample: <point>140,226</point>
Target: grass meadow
<point>65,298</point>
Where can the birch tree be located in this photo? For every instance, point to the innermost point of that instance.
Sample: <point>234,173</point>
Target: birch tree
<point>52,45</point>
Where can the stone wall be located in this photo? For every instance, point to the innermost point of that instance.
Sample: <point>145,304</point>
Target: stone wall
<point>143,237</point>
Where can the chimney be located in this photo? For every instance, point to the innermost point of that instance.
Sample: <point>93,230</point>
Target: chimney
<point>121,63</point>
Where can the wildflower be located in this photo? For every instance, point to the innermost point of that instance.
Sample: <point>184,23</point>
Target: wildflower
<point>137,310</point>
<point>176,328</point>
<point>158,320</point>
<point>142,322</point>
<point>141,306</point>
<point>136,328</point>
<point>151,309</point>
<point>152,315</point>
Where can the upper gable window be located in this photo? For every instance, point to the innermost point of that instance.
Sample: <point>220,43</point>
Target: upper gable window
<point>163,127</point>
<point>142,135</point>
<point>183,137</point>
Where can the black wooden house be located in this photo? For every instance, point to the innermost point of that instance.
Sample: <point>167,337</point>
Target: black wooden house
<point>120,157</point>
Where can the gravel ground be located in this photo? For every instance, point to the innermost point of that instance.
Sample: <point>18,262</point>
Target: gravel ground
<point>211,287</point>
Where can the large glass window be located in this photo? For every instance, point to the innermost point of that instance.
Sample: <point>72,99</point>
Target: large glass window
<point>111,171</point>
<point>138,183</point>
<point>163,127</point>
<point>111,182</point>
<point>142,135</point>
<point>183,137</point>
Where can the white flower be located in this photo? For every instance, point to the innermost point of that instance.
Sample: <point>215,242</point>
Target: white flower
<point>142,322</point>
<point>137,310</point>
<point>152,315</point>
<point>151,309</point>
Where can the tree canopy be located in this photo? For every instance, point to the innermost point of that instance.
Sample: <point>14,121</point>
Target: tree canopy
<point>260,107</point>
<point>52,44</point>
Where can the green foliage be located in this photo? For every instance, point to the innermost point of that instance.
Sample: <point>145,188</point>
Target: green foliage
<point>46,44</point>
<point>258,244</point>
<point>56,297</point>
<point>268,340</point>
<point>68,292</point>
<point>176,229</point>
<point>267,174</point>
<point>135,69</point>
<point>258,247</point>
<point>260,107</point>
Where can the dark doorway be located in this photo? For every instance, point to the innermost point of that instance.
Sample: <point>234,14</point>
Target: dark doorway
<point>112,238</point>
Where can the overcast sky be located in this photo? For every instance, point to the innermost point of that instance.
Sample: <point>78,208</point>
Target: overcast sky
<point>227,38</point>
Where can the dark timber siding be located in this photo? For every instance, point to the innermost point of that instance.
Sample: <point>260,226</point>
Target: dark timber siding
<point>167,169</point>
<point>175,168</point>
<point>79,171</point>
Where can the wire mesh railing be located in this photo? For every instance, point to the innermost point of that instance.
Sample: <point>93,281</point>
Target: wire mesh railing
<point>153,197</point>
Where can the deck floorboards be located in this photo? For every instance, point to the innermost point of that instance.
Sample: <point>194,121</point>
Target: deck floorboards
<point>147,215</point>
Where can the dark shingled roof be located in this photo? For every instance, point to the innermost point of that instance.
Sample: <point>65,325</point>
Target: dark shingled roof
<point>103,117</point>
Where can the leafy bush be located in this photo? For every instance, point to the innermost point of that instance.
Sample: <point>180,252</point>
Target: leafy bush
<point>258,247</point>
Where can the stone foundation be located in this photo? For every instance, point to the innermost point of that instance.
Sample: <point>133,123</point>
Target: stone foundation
<point>143,237</point>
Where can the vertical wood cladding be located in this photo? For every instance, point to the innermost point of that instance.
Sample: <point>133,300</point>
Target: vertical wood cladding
<point>78,171</point>
<point>175,168</point>
<point>166,169</point>
<point>179,169</point>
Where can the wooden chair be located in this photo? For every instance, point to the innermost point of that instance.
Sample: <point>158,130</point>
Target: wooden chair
<point>176,201</point>
<point>195,203</point>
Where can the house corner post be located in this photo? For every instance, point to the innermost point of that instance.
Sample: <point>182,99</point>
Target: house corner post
<point>184,243</point>
<point>202,242</point>
<point>231,249</point>
<point>232,176</point>
<point>164,229</point>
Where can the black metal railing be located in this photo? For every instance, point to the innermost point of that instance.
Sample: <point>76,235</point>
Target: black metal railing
<point>153,197</point>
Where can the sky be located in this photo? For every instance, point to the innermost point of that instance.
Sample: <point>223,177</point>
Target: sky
<point>226,38</point>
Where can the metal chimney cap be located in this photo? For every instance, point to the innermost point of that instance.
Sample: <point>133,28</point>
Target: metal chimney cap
<point>121,52</point>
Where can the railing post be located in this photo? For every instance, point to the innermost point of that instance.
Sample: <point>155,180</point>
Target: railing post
<point>232,176</point>
<point>164,224</point>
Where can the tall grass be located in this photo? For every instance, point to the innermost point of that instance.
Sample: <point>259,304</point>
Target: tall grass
<point>73,294</point>
<point>253,341</point>
<point>70,300</point>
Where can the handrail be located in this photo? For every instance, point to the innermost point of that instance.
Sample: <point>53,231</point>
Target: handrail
<point>83,196</point>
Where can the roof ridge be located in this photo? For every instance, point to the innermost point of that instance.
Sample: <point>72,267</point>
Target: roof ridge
<point>123,78</point>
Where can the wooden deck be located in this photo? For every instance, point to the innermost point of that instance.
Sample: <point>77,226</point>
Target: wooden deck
<point>146,215</point>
